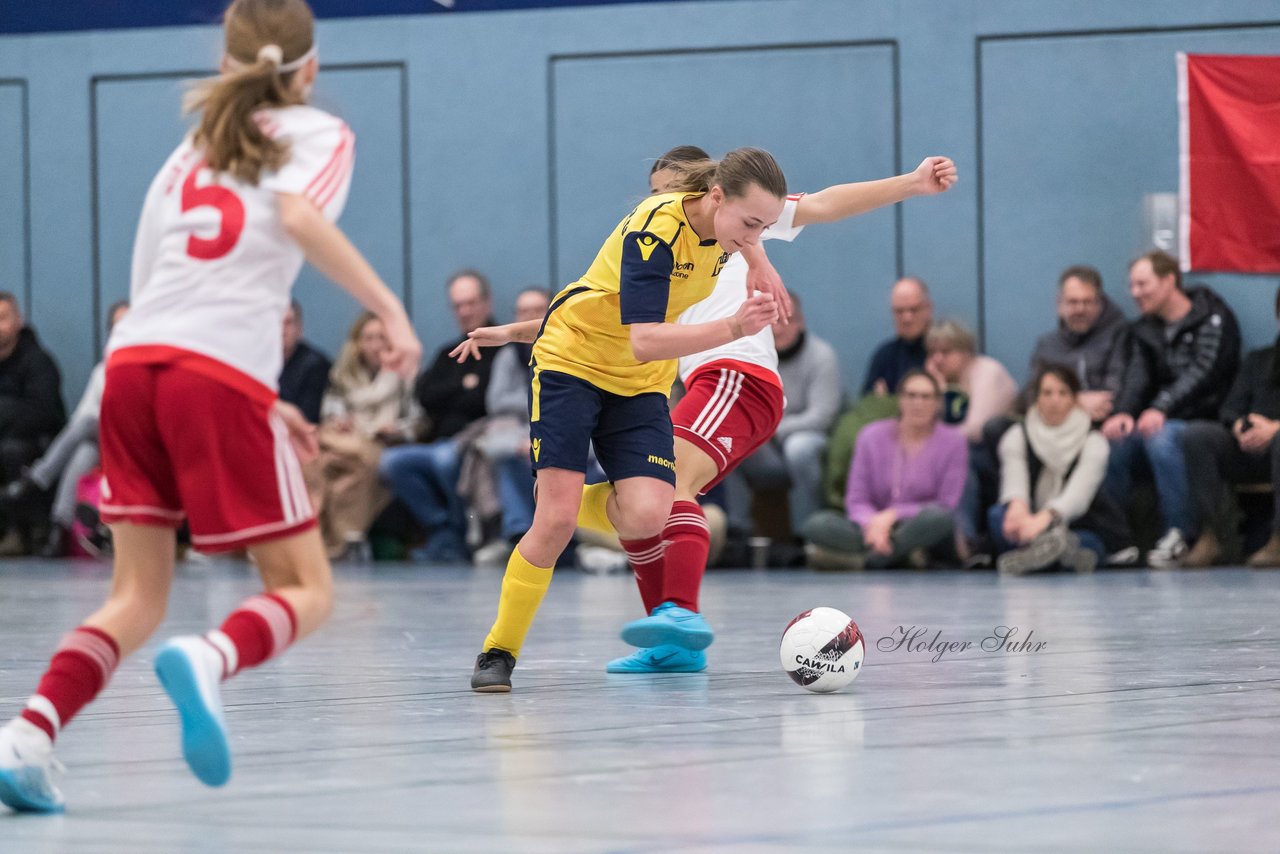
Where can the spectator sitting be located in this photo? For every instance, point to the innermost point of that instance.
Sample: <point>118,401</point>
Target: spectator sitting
<point>503,441</point>
<point>1089,340</point>
<point>810,372</point>
<point>904,486</point>
<point>366,408</point>
<point>72,455</point>
<point>1051,469</point>
<point>912,316</point>
<point>1246,453</point>
<point>452,395</point>
<point>977,388</point>
<point>1182,356</point>
<point>978,391</point>
<point>31,413</point>
<point>305,375</point>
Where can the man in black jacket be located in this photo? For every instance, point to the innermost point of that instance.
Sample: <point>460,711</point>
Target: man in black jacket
<point>1241,447</point>
<point>425,476</point>
<point>305,374</point>
<point>1183,354</point>
<point>31,410</point>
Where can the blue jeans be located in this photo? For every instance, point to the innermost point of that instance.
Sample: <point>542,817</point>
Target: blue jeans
<point>1163,453</point>
<point>995,521</point>
<point>425,478</point>
<point>515,491</point>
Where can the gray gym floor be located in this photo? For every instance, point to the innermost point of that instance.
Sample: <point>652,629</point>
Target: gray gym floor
<point>1148,721</point>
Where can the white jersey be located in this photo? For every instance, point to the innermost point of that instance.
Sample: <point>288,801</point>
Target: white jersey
<point>729,294</point>
<point>212,264</point>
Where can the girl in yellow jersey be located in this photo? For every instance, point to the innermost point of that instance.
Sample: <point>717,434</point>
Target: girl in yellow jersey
<point>604,359</point>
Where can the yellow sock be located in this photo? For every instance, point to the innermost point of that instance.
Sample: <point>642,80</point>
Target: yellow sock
<point>523,587</point>
<point>591,512</point>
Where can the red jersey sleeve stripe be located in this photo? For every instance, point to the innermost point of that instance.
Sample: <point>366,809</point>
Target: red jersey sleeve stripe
<point>334,160</point>
<point>324,197</point>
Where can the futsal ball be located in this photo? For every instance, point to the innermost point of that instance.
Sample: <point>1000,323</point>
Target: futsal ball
<point>822,650</point>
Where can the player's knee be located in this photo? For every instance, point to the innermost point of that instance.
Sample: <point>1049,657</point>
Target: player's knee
<point>643,520</point>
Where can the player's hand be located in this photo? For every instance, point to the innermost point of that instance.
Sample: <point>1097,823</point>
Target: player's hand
<point>302,433</point>
<point>1258,438</point>
<point>935,175</point>
<point>763,278</point>
<point>404,350</point>
<point>756,313</point>
<point>484,336</point>
<point>1118,426</point>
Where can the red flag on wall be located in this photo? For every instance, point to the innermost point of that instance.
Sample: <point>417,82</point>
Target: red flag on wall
<point>1229,150</point>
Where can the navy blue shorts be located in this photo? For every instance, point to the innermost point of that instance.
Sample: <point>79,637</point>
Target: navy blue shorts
<point>632,435</point>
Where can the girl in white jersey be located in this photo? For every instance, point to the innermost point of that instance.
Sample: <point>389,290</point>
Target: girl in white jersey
<point>733,402</point>
<point>191,426</point>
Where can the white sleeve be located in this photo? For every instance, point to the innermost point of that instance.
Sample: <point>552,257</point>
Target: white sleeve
<point>785,228</point>
<point>321,156</point>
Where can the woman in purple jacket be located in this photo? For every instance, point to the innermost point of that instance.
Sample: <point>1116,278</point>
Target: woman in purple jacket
<point>905,482</point>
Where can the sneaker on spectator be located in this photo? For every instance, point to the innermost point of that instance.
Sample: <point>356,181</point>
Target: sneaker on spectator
<point>1169,551</point>
<point>494,553</point>
<point>1205,553</point>
<point>1267,557</point>
<point>26,763</point>
<point>598,560</point>
<point>1054,544</point>
<point>1127,556</point>
<point>492,674</point>
<point>818,557</point>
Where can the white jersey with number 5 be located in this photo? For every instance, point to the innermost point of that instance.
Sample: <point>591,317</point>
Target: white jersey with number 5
<point>729,294</point>
<point>212,264</point>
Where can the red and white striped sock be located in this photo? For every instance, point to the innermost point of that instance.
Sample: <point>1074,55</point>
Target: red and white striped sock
<point>688,540</point>
<point>646,559</point>
<point>260,629</point>
<point>80,668</point>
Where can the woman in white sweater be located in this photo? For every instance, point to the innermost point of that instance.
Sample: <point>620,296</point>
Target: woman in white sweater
<point>1051,467</point>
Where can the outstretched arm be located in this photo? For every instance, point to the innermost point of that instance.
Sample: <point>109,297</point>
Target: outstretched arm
<point>653,342</point>
<point>330,252</point>
<point>933,175</point>
<point>524,331</point>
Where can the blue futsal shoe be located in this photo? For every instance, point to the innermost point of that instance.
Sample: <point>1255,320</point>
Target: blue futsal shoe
<point>660,659</point>
<point>26,766</point>
<point>669,625</point>
<point>190,671</point>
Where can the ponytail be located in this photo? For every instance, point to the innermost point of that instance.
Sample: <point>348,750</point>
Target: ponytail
<point>267,42</point>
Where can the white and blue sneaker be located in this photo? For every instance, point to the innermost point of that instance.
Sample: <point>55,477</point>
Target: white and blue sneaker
<point>26,763</point>
<point>190,669</point>
<point>660,659</point>
<point>669,625</point>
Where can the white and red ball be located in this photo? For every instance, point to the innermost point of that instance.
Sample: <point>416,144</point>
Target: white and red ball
<point>822,650</point>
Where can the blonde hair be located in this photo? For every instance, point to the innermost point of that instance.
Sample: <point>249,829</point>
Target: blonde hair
<point>735,174</point>
<point>349,370</point>
<point>229,137</point>
<point>951,335</point>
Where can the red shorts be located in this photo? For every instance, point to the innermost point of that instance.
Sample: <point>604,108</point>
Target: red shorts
<point>176,442</point>
<point>729,409</point>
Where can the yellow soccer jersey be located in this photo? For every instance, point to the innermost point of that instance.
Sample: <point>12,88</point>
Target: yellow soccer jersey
<point>652,267</point>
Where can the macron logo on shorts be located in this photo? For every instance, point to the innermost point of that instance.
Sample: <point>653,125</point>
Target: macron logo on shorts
<point>537,446</point>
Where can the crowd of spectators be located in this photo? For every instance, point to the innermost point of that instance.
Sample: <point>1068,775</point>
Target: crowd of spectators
<point>942,460</point>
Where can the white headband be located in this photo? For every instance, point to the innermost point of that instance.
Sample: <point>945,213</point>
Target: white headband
<point>273,54</point>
